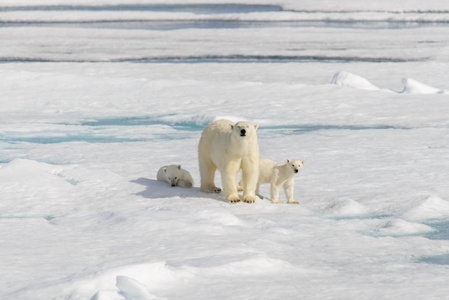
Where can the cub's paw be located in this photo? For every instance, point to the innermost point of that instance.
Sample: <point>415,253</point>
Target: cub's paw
<point>216,190</point>
<point>293,202</point>
<point>239,189</point>
<point>260,196</point>
<point>276,202</point>
<point>185,184</point>
<point>233,199</point>
<point>249,199</point>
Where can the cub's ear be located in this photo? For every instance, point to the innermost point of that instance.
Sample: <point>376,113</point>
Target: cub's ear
<point>165,170</point>
<point>303,162</point>
<point>256,126</point>
<point>179,167</point>
<point>288,160</point>
<point>232,126</point>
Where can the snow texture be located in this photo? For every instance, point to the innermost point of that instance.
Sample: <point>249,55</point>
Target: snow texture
<point>97,96</point>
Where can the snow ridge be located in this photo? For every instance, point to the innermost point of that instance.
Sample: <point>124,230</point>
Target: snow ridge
<point>411,86</point>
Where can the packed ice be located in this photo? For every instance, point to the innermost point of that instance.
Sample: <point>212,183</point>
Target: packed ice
<point>95,98</point>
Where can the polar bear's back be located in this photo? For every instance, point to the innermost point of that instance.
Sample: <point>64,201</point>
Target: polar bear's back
<point>218,127</point>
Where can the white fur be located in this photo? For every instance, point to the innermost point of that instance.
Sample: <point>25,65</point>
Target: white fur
<point>223,146</point>
<point>278,174</point>
<point>175,176</point>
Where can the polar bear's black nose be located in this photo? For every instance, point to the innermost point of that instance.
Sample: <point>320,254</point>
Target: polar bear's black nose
<point>242,132</point>
<point>296,170</point>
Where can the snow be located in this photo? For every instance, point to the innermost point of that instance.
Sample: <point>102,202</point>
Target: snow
<point>94,102</point>
<point>400,227</point>
<point>412,86</point>
<point>354,81</point>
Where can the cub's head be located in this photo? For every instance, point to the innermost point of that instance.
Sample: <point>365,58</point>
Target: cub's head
<point>172,174</point>
<point>295,165</point>
<point>244,129</point>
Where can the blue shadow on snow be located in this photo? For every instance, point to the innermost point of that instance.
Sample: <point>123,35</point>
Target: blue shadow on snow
<point>157,189</point>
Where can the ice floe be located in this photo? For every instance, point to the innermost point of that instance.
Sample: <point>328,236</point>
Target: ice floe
<point>347,79</point>
<point>411,86</point>
<point>347,208</point>
<point>432,207</point>
<point>399,227</point>
<point>127,282</point>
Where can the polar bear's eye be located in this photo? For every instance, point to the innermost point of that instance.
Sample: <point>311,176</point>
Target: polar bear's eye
<point>176,177</point>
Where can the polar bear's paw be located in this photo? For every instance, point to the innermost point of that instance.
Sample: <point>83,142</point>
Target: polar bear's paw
<point>260,196</point>
<point>212,189</point>
<point>276,201</point>
<point>293,202</point>
<point>216,190</point>
<point>239,188</point>
<point>233,199</point>
<point>249,199</point>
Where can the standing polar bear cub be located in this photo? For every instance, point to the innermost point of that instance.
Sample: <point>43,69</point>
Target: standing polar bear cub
<point>229,147</point>
<point>278,174</point>
<point>175,176</point>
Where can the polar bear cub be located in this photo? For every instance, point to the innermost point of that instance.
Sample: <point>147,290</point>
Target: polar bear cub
<point>278,174</point>
<point>175,176</point>
<point>229,147</point>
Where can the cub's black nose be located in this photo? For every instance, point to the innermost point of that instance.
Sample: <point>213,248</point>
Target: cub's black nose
<point>242,132</point>
<point>296,170</point>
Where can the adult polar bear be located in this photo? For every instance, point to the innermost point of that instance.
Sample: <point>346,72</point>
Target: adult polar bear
<point>229,147</point>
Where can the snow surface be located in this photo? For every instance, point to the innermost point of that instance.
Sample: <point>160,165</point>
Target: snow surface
<point>94,101</point>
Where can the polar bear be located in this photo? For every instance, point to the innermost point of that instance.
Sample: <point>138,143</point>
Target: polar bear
<point>278,174</point>
<point>229,147</point>
<point>175,176</point>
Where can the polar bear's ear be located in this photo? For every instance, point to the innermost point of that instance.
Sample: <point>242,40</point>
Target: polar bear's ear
<point>288,160</point>
<point>165,170</point>
<point>256,126</point>
<point>303,162</point>
<point>232,126</point>
<point>179,167</point>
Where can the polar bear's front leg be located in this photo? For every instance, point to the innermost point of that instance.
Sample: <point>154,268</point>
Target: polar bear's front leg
<point>250,175</point>
<point>229,178</point>
<point>288,188</point>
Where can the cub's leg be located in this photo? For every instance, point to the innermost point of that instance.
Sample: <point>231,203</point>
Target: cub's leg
<point>274,193</point>
<point>257,191</point>
<point>184,183</point>
<point>288,188</point>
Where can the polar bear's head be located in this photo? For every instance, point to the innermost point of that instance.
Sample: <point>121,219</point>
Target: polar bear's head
<point>295,165</point>
<point>172,174</point>
<point>244,129</point>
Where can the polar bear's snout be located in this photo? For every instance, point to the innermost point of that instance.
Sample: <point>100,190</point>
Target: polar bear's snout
<point>243,132</point>
<point>296,170</point>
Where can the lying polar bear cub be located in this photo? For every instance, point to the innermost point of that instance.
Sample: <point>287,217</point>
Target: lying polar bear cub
<point>175,176</point>
<point>278,174</point>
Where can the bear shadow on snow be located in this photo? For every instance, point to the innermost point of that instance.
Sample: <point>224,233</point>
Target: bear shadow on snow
<point>157,189</point>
